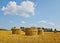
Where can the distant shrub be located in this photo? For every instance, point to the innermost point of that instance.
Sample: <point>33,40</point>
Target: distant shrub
<point>3,29</point>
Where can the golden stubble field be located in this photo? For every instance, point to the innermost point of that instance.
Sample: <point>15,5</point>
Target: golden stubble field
<point>48,37</point>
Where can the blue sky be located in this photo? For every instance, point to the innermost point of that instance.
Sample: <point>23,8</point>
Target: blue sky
<point>27,13</point>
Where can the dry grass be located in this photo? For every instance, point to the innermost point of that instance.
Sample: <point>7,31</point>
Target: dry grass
<point>48,37</point>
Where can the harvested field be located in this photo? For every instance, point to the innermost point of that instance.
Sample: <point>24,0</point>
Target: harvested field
<point>48,37</point>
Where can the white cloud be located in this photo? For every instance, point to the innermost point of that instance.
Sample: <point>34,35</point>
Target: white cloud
<point>25,9</point>
<point>25,15</point>
<point>46,22</point>
<point>33,25</point>
<point>11,21</point>
<point>51,23</point>
<point>42,21</point>
<point>23,22</point>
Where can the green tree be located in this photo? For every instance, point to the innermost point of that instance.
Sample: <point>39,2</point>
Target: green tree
<point>23,29</point>
<point>51,30</point>
<point>55,30</point>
